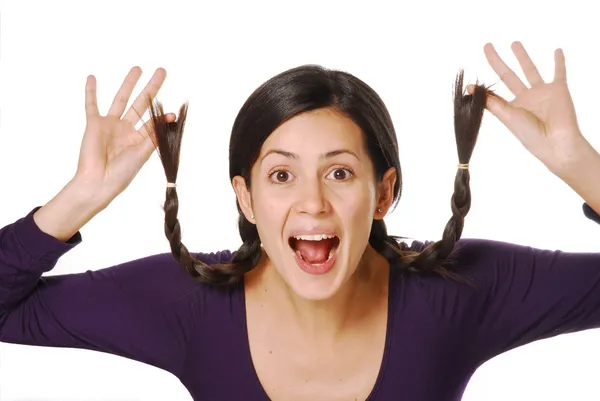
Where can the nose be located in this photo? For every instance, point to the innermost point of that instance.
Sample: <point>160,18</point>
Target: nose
<point>312,198</point>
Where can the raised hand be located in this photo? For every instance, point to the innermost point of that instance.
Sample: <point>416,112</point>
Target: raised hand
<point>541,116</point>
<point>112,150</point>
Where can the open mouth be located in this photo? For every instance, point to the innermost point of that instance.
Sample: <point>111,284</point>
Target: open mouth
<point>314,250</point>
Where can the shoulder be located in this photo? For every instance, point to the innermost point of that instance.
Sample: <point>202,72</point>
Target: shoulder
<point>471,253</point>
<point>496,274</point>
<point>485,267</point>
<point>159,276</point>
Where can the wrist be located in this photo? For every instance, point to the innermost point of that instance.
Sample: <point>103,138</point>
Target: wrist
<point>66,213</point>
<point>582,171</point>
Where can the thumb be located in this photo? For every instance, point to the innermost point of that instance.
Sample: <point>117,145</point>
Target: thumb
<point>496,105</point>
<point>150,142</point>
<point>499,107</point>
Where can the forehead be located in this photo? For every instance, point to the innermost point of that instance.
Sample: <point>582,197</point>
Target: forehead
<point>316,131</point>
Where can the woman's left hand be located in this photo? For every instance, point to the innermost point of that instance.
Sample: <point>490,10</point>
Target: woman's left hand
<point>542,116</point>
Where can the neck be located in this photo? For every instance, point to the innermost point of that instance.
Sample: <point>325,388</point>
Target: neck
<point>325,320</point>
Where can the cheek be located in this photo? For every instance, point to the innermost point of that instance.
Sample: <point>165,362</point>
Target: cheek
<point>271,204</point>
<point>272,212</point>
<point>358,204</point>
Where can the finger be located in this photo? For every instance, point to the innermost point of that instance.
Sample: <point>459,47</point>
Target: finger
<point>91,101</point>
<point>170,117</point>
<point>529,69</point>
<point>148,145</point>
<point>499,107</point>
<point>147,129</point>
<point>495,104</point>
<point>560,68</point>
<point>148,133</point>
<point>139,106</point>
<point>508,76</point>
<point>120,101</point>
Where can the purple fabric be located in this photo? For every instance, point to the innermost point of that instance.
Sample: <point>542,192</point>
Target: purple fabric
<point>150,310</point>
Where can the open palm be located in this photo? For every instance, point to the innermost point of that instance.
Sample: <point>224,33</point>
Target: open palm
<point>541,116</point>
<point>112,150</point>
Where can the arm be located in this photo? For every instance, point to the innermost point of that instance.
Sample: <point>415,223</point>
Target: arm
<point>581,172</point>
<point>521,294</point>
<point>33,245</point>
<point>142,309</point>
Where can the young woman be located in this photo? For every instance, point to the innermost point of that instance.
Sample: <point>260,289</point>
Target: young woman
<point>319,303</point>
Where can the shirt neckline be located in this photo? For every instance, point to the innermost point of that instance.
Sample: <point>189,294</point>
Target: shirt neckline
<point>386,350</point>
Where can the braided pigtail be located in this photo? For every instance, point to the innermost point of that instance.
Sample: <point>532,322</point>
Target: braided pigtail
<point>168,137</point>
<point>248,255</point>
<point>389,246</point>
<point>468,114</point>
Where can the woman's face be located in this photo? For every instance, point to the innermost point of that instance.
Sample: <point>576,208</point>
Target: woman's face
<point>314,197</point>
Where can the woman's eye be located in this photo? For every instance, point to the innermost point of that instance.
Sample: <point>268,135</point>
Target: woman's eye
<point>341,174</point>
<point>284,176</point>
<point>281,176</point>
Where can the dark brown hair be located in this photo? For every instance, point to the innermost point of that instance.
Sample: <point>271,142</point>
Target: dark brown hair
<point>299,90</point>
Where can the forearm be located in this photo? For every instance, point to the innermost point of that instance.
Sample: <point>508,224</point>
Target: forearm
<point>582,174</point>
<point>68,211</point>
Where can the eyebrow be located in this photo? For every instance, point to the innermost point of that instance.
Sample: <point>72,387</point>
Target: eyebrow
<point>323,156</point>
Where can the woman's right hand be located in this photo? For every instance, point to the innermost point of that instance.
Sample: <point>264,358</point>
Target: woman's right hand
<point>112,150</point>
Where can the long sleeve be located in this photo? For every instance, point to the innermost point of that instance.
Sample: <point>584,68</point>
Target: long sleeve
<point>143,309</point>
<point>590,213</point>
<point>517,294</point>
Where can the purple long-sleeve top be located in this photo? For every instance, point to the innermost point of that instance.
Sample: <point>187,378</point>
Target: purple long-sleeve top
<point>150,310</point>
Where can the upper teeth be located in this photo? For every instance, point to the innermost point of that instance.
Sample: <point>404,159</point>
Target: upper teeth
<point>316,237</point>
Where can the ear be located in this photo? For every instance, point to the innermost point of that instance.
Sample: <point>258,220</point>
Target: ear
<point>244,197</point>
<point>385,193</point>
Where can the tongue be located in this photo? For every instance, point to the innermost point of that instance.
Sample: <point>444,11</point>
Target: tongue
<point>314,252</point>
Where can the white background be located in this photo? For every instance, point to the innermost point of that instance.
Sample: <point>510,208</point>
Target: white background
<point>216,53</point>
